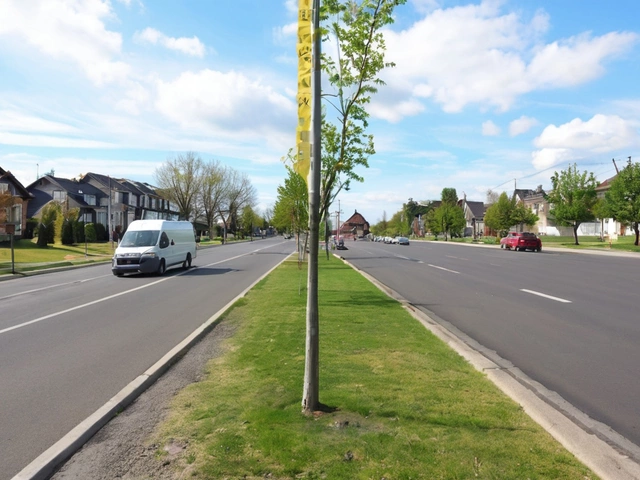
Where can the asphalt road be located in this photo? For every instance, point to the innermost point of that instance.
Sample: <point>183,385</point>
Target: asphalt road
<point>569,321</point>
<point>69,341</point>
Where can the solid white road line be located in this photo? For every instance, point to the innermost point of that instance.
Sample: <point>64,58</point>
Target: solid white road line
<point>557,299</point>
<point>442,268</point>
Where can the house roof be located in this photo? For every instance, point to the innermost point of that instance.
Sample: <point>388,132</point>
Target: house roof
<point>356,219</point>
<point>606,184</point>
<point>6,174</point>
<point>477,208</point>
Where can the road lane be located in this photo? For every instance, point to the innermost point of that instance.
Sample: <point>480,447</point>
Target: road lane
<point>586,350</point>
<point>104,332</point>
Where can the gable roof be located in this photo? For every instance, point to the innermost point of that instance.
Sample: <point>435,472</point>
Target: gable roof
<point>477,208</point>
<point>356,219</point>
<point>6,174</point>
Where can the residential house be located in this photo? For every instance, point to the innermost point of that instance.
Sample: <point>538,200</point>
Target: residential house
<point>70,194</point>
<point>609,226</point>
<point>355,226</point>
<point>13,218</point>
<point>97,196</point>
<point>474,216</point>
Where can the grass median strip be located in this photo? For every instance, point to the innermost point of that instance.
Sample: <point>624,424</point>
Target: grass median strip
<point>406,405</point>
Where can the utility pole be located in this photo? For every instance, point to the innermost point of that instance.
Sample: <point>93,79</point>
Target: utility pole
<point>614,164</point>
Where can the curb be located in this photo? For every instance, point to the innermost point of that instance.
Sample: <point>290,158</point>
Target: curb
<point>596,445</point>
<point>46,463</point>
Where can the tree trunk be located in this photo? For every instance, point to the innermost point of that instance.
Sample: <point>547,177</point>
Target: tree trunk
<point>575,233</point>
<point>311,388</point>
<point>637,230</point>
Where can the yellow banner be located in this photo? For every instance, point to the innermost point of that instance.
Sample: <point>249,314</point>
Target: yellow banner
<point>304,49</point>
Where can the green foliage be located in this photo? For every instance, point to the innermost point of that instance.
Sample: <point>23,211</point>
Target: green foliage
<point>42,235</point>
<point>291,211</point>
<point>622,200</point>
<point>448,218</point>
<point>506,213</point>
<point>412,210</point>
<point>67,237</point>
<point>31,228</point>
<point>90,232</point>
<point>355,29</point>
<point>49,215</point>
<point>101,233</point>
<point>78,231</point>
<point>573,198</point>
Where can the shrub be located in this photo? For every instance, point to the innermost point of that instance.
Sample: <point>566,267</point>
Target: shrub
<point>30,228</point>
<point>90,232</point>
<point>78,231</point>
<point>100,232</point>
<point>66,233</point>
<point>42,235</point>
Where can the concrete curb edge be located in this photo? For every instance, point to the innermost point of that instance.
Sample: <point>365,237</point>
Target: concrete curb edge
<point>46,463</point>
<point>598,455</point>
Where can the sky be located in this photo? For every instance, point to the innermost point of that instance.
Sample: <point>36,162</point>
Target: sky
<point>491,94</point>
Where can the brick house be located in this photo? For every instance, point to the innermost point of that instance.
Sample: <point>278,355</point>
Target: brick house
<point>14,216</point>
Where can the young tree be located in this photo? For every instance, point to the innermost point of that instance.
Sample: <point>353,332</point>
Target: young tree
<point>623,197</point>
<point>179,181</point>
<point>355,28</point>
<point>573,198</point>
<point>505,213</point>
<point>291,211</point>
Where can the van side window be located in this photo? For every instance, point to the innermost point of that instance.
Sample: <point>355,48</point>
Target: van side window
<point>164,240</point>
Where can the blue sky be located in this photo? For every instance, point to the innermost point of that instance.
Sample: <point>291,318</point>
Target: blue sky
<point>485,94</point>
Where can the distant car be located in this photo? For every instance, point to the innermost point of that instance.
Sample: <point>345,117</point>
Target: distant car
<point>521,241</point>
<point>402,240</point>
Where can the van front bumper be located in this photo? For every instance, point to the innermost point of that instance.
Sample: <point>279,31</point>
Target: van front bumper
<point>132,264</point>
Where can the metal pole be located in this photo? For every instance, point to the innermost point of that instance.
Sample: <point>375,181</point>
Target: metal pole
<point>13,263</point>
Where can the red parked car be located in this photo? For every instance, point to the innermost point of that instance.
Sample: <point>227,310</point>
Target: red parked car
<point>521,241</point>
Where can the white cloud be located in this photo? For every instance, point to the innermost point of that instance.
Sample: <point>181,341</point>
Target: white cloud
<point>498,58</point>
<point>229,105</point>
<point>490,129</point>
<point>396,112</point>
<point>577,139</point>
<point>189,46</point>
<point>50,141</point>
<point>521,125</point>
<point>13,121</point>
<point>425,6</point>
<point>68,30</point>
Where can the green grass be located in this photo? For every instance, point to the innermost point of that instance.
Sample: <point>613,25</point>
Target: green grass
<point>28,256</point>
<point>625,243</point>
<point>405,405</point>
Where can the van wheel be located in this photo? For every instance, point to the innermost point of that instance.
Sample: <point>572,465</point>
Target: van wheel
<point>162,268</point>
<point>187,263</point>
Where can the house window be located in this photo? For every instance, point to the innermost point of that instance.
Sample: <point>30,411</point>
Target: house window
<point>4,187</point>
<point>90,199</point>
<point>101,218</point>
<point>59,196</point>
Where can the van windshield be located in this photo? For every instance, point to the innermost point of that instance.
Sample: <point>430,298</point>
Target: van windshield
<point>141,238</point>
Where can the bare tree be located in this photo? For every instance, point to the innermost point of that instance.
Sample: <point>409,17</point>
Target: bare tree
<point>237,193</point>
<point>180,180</point>
<point>211,193</point>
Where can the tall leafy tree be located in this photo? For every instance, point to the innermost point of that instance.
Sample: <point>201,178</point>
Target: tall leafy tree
<point>573,198</point>
<point>448,218</point>
<point>179,180</point>
<point>623,197</point>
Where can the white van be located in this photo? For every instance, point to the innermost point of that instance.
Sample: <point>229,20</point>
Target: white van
<point>152,246</point>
